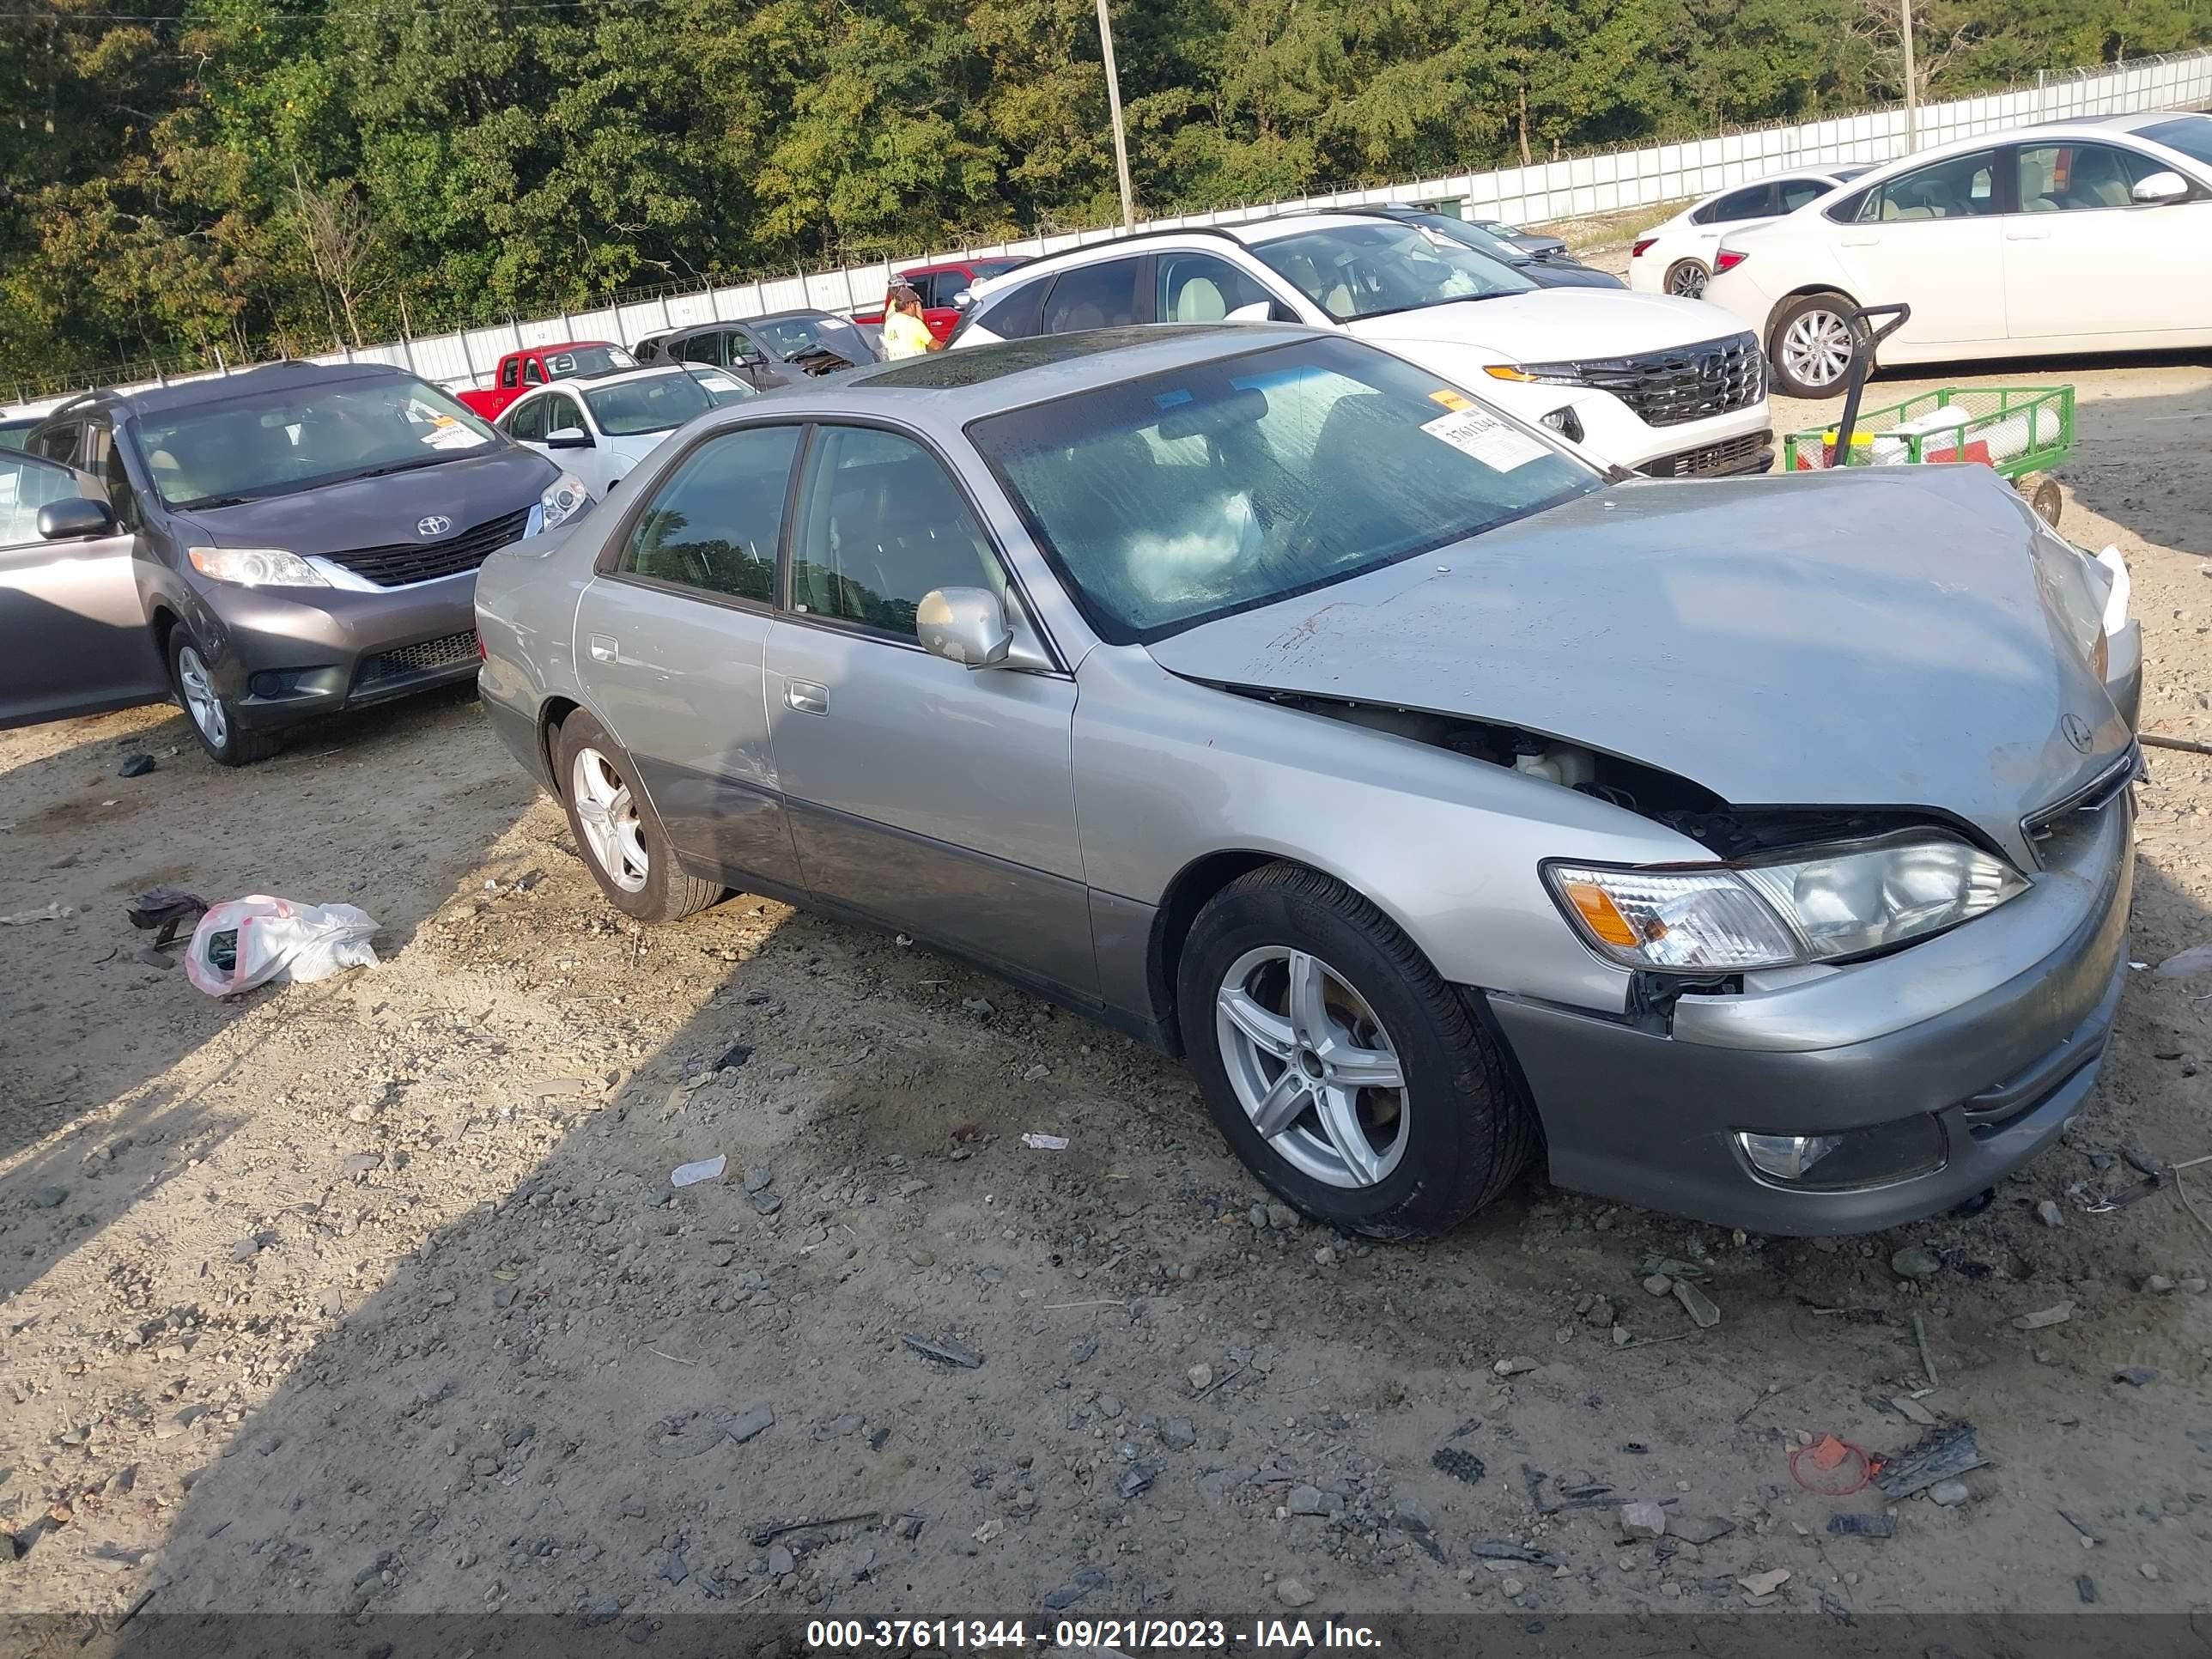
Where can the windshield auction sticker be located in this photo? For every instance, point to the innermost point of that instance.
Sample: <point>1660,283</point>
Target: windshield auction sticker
<point>1487,438</point>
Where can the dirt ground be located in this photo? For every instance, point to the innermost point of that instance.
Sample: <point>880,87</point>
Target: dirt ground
<point>373,1295</point>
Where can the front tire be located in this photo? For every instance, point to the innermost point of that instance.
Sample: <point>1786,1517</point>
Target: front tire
<point>214,717</point>
<point>1352,1079</point>
<point>616,830</point>
<point>1811,345</point>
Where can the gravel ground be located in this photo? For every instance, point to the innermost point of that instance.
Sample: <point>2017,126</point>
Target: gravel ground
<point>373,1295</point>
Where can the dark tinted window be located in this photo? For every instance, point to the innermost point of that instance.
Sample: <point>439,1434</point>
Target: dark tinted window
<point>1016,314</point>
<point>2190,134</point>
<point>588,359</point>
<point>1202,287</point>
<point>715,524</point>
<point>705,347</point>
<point>1963,187</point>
<point>531,374</point>
<point>56,443</point>
<point>1748,203</point>
<point>510,373</point>
<point>525,422</point>
<point>1102,295</point>
<point>880,524</point>
<point>1796,192</point>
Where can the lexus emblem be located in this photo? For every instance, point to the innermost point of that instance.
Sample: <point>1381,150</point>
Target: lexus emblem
<point>2077,733</point>
<point>438,523</point>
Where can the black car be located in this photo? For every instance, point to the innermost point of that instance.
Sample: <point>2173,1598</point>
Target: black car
<point>267,547</point>
<point>777,349</point>
<point>1550,269</point>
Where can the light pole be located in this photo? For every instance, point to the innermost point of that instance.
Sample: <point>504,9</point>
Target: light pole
<point>1114,103</point>
<point>1911,92</point>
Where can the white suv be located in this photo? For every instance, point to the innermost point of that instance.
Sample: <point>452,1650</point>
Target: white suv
<point>1669,388</point>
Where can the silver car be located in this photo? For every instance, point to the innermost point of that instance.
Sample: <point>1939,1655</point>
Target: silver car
<point>1759,849</point>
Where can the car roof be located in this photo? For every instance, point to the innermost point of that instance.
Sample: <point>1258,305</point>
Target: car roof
<point>956,387</point>
<point>568,345</point>
<point>2068,126</point>
<point>594,382</point>
<point>270,377</point>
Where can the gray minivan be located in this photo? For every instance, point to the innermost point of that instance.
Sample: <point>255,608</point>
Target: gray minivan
<point>267,547</point>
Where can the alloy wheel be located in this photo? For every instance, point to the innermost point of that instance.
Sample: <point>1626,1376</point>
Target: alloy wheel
<point>1817,347</point>
<point>201,701</point>
<point>608,811</point>
<point>1312,1066</point>
<point>1688,279</point>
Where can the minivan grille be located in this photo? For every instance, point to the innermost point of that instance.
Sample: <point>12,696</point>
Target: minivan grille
<point>403,562</point>
<point>1681,384</point>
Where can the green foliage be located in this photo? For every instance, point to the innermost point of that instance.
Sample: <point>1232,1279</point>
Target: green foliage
<point>233,174</point>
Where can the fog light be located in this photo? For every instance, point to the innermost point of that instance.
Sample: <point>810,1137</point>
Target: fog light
<point>1566,423</point>
<point>1786,1157</point>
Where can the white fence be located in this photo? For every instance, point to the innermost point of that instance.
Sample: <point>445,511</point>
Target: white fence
<point>1576,187</point>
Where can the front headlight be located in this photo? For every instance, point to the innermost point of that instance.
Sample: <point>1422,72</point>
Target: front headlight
<point>564,498</point>
<point>256,567</point>
<point>1814,906</point>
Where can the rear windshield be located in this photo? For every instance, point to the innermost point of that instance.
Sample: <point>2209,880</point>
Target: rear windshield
<point>795,337</point>
<point>1186,494</point>
<point>587,360</point>
<point>1369,270</point>
<point>280,442</point>
<point>660,403</point>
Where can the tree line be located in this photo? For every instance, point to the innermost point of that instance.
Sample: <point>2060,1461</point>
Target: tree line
<point>184,177</point>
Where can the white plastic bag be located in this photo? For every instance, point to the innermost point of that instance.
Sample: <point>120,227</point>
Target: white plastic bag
<point>277,941</point>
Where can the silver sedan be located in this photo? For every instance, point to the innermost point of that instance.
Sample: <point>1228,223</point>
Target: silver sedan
<point>1759,849</point>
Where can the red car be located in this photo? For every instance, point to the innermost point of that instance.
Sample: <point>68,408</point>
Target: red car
<point>939,286</point>
<point>534,365</point>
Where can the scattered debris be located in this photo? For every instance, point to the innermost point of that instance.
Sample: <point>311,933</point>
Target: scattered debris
<point>2048,1212</point>
<point>1879,1525</point>
<point>1927,1354</point>
<point>1940,1455</point>
<point>1086,1581</point>
<point>261,940</point>
<point>1831,1467</point>
<point>1515,1367</point>
<point>1292,1594</point>
<point>1643,1521</point>
<point>171,910</point>
<point>1201,1377</point>
<point>1659,1284</point>
<point>1460,1465</point>
<point>2089,1539</point>
<point>1044,1143</point>
<point>55,911</point>
<point>1914,1262</point>
<point>1949,1494</point>
<point>734,1056</point>
<point>946,1353</point>
<point>1765,1584</point>
<point>2136,1376</point>
<point>1911,1410</point>
<point>1504,1549</point>
<point>706,1169</point>
<point>2184,964</point>
<point>135,766</point>
<point>2085,1587</point>
<point>2055,1314</point>
<point>1699,1529</point>
<point>1695,1302</point>
<point>762,1537</point>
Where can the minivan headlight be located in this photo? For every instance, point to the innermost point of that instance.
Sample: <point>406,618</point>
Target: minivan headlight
<point>256,567</point>
<point>1814,905</point>
<point>564,498</point>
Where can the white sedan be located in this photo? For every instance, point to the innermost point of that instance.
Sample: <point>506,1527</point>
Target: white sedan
<point>2082,235</point>
<point>603,425</point>
<point>1676,257</point>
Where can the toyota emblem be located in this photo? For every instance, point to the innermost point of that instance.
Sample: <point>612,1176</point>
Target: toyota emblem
<point>436,525</point>
<point>2077,733</point>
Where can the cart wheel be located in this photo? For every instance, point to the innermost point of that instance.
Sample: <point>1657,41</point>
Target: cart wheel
<point>2040,491</point>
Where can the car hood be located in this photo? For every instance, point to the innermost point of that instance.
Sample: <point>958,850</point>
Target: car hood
<point>1566,273</point>
<point>1878,639</point>
<point>379,512</point>
<point>1555,324</point>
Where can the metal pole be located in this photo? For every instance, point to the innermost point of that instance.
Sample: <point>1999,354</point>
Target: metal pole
<point>1114,104</point>
<point>1911,90</point>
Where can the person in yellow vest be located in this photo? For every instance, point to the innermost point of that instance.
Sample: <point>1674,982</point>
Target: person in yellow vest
<point>905,333</point>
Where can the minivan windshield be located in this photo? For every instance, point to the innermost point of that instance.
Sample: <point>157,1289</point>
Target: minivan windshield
<point>1369,270</point>
<point>661,403</point>
<point>277,442</point>
<point>1180,496</point>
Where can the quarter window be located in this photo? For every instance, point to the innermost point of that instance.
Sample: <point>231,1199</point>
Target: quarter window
<point>56,443</point>
<point>716,523</point>
<point>1749,202</point>
<point>880,524</point>
<point>2069,177</point>
<point>1964,187</point>
<point>1796,192</point>
<point>1093,296</point>
<point>1016,314</point>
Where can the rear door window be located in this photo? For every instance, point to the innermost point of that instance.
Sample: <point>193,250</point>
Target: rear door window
<point>715,526</point>
<point>1962,187</point>
<point>1103,295</point>
<point>1753,201</point>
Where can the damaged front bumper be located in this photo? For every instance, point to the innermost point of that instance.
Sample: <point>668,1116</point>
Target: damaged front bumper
<point>1938,1069</point>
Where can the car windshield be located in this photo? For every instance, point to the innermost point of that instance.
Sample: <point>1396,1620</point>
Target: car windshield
<point>1473,236</point>
<point>794,337</point>
<point>660,403</point>
<point>279,442</point>
<point>587,360</point>
<point>1367,270</point>
<point>1180,496</point>
<point>2190,134</point>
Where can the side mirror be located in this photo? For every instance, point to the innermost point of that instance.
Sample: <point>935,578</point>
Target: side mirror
<point>569,437</point>
<point>966,625</point>
<point>75,519</point>
<point>1258,312</point>
<point>962,300</point>
<point>2160,188</point>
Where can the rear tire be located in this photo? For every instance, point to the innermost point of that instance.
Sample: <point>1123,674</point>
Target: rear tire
<point>2041,492</point>
<point>1811,345</point>
<point>213,717</point>
<point>1301,1086</point>
<point>617,833</point>
<point>1687,278</point>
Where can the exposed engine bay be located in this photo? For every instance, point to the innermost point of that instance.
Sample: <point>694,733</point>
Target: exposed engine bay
<point>1665,798</point>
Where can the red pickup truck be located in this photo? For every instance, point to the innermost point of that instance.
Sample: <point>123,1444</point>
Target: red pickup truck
<point>519,371</point>
<point>936,286</point>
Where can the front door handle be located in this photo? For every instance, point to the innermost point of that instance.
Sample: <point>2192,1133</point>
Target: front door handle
<point>806,696</point>
<point>1861,241</point>
<point>604,649</point>
<point>2036,235</point>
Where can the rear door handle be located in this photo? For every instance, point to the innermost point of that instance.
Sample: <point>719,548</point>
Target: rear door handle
<point>2038,235</point>
<point>604,649</point>
<point>806,696</point>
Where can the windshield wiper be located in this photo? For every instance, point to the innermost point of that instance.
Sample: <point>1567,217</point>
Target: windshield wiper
<point>408,466</point>
<point>210,501</point>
